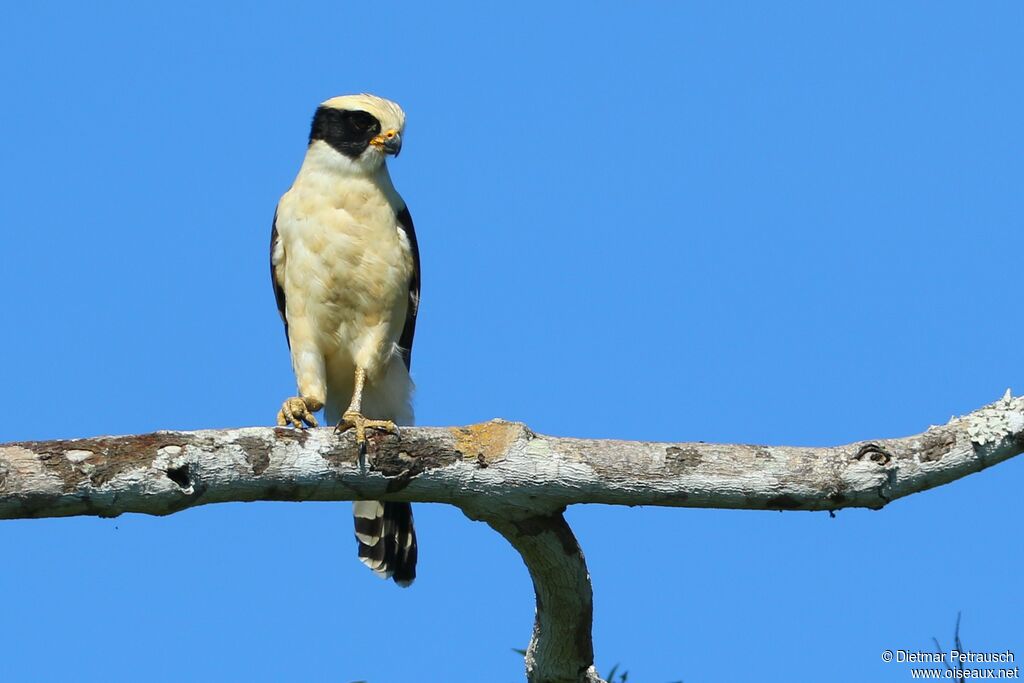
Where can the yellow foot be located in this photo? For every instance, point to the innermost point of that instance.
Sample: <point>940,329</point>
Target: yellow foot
<point>298,412</point>
<point>354,419</point>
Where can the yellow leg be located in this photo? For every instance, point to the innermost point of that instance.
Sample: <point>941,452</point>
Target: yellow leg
<point>354,418</point>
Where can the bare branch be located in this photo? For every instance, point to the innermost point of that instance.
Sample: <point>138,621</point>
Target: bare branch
<point>517,481</point>
<point>494,465</point>
<point>561,649</point>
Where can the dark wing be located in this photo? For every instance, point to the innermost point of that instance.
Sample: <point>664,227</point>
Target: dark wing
<point>277,274</point>
<point>405,341</point>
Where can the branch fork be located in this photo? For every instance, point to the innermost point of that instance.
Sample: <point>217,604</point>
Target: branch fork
<point>502,473</point>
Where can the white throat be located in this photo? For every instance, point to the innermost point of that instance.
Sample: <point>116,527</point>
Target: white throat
<point>325,166</point>
<point>322,157</point>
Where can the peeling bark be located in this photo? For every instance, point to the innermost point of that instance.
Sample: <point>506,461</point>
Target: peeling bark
<point>517,481</point>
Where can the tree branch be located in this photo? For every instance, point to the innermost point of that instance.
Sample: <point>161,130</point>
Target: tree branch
<point>501,472</point>
<point>561,649</point>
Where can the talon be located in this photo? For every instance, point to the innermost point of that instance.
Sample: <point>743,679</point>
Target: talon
<point>354,419</point>
<point>297,411</point>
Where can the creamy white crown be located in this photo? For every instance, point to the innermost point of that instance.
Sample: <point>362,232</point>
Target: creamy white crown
<point>387,112</point>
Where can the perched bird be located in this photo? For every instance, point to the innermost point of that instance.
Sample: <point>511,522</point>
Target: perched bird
<point>346,274</point>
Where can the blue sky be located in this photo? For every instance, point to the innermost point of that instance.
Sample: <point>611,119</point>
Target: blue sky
<point>792,223</point>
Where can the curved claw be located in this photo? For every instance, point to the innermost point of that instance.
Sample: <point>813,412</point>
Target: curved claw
<point>297,412</point>
<point>354,419</point>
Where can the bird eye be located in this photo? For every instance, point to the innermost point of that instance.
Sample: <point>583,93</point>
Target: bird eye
<point>361,120</point>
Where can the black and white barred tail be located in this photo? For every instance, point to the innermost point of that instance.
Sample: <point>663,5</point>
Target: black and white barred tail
<point>387,539</point>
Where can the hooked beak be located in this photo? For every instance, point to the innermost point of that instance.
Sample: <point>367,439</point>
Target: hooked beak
<point>390,142</point>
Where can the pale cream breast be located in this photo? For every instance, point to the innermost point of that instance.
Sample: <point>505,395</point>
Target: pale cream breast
<point>347,270</point>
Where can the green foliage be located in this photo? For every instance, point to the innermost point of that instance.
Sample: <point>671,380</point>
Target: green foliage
<point>613,676</point>
<point>623,677</point>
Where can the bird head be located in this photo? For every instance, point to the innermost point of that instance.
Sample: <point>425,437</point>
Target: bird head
<point>364,129</point>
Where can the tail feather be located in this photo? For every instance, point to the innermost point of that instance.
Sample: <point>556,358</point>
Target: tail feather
<point>384,530</point>
<point>386,539</point>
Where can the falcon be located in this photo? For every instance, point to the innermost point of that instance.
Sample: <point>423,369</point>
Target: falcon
<point>346,274</point>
